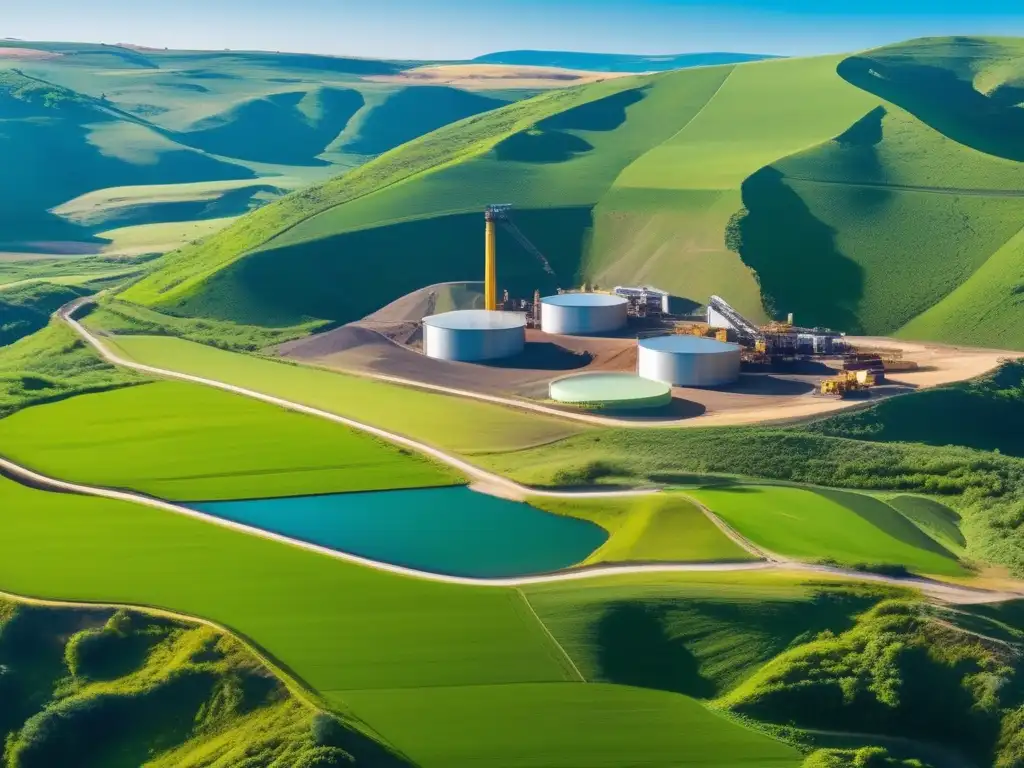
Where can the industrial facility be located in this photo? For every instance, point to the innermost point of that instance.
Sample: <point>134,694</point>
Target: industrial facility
<point>669,351</point>
<point>471,335</point>
<point>583,314</point>
<point>688,361</point>
<point>773,339</point>
<point>610,391</point>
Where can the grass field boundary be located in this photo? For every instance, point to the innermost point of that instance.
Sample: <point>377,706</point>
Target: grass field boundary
<point>734,535</point>
<point>548,632</point>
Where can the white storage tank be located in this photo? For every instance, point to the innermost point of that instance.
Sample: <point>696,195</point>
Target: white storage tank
<point>468,335</point>
<point>688,361</point>
<point>583,314</point>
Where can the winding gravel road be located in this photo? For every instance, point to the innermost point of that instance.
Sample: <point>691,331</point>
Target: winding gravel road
<point>482,481</point>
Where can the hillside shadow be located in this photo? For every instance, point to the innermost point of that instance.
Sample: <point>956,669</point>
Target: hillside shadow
<point>937,97</point>
<point>536,146</point>
<point>285,128</point>
<point>416,111</point>
<point>798,265</point>
<point>605,114</point>
<point>327,279</point>
<point>549,141</point>
<point>635,648</point>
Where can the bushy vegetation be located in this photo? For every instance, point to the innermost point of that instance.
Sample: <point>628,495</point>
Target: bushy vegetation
<point>866,757</point>
<point>900,671</point>
<point>985,413</point>
<point>94,687</point>
<point>52,364</point>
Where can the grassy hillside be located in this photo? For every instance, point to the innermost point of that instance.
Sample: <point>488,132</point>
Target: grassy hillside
<point>52,364</point>
<point>188,442</point>
<point>786,186</point>
<point>831,526</point>
<point>217,133</point>
<point>95,687</point>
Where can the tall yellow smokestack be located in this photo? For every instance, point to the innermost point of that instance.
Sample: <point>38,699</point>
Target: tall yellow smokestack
<point>490,264</point>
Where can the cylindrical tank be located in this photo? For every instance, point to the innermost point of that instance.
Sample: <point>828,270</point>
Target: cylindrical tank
<point>474,334</point>
<point>582,314</point>
<point>610,391</point>
<point>688,361</point>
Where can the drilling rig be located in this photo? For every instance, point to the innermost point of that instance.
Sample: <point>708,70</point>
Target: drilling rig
<point>501,214</point>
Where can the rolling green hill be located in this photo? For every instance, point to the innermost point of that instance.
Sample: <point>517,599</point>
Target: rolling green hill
<point>96,138</point>
<point>844,189</point>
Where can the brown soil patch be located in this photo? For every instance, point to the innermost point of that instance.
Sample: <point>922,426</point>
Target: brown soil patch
<point>27,53</point>
<point>392,350</point>
<point>491,76</point>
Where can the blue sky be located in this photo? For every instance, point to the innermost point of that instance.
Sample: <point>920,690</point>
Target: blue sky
<point>465,28</point>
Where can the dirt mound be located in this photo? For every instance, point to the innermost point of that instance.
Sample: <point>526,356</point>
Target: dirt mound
<point>440,297</point>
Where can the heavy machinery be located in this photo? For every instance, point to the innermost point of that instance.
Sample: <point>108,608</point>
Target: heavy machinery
<point>847,384</point>
<point>494,215</point>
<point>775,340</point>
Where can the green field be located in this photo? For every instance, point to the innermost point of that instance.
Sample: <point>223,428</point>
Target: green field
<point>453,423</point>
<point>334,625</point>
<point>646,529</point>
<point>789,185</point>
<point>189,442</point>
<point>847,528</point>
<point>563,726</point>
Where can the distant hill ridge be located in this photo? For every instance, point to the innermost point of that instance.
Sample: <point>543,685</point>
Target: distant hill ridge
<point>618,62</point>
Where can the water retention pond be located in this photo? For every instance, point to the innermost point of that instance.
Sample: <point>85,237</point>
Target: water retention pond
<point>451,531</point>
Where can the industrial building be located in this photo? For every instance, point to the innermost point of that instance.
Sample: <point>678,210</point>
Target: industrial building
<point>688,361</point>
<point>469,335</point>
<point>645,300</point>
<point>610,391</point>
<point>583,314</point>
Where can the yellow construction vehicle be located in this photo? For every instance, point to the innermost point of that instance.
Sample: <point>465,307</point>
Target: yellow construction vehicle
<point>847,383</point>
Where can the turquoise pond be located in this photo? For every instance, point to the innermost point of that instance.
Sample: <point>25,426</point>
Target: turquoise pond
<point>452,531</point>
